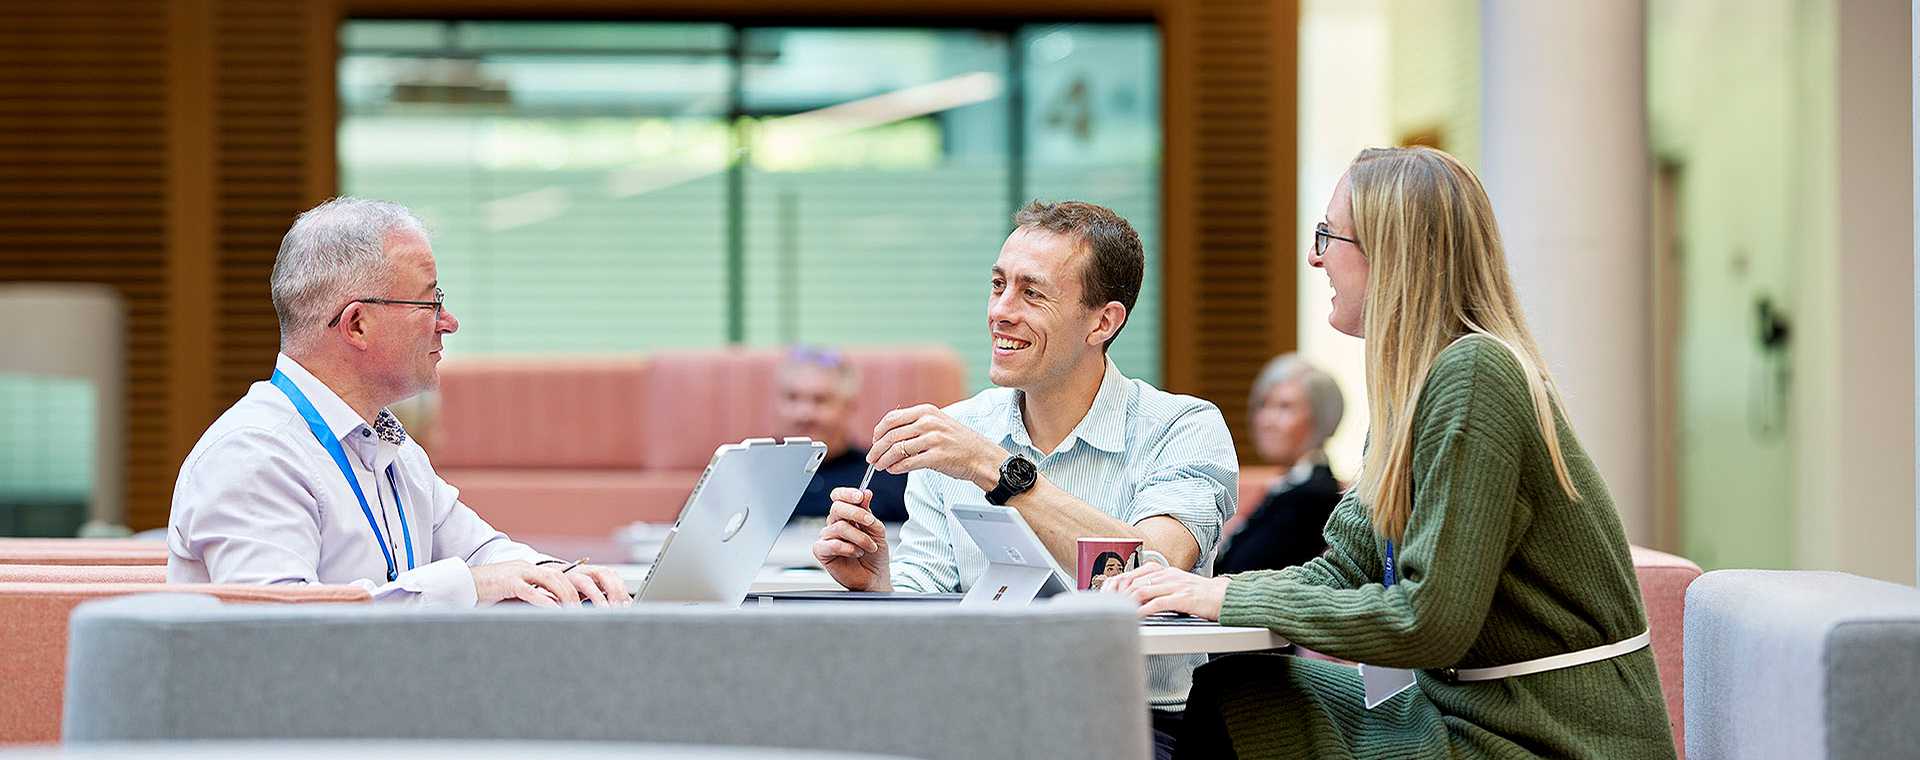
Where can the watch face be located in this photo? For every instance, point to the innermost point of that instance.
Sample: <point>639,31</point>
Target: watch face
<point>1019,473</point>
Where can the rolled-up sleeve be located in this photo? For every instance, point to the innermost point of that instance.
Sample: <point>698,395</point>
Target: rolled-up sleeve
<point>1192,475</point>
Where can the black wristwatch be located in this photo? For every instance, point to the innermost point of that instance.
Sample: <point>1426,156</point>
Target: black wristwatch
<point>1017,474</point>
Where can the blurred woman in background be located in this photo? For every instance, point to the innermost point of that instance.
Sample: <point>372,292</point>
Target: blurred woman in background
<point>1296,407</point>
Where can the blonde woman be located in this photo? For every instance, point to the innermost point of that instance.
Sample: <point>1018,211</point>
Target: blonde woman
<point>1478,542</point>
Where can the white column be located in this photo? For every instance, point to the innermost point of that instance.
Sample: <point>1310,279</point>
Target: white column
<point>1871,249</point>
<point>1345,54</point>
<point>1565,159</point>
<point>1914,108</point>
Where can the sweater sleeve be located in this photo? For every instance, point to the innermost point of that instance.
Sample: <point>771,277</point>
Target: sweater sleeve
<point>1350,551</point>
<point>1472,429</point>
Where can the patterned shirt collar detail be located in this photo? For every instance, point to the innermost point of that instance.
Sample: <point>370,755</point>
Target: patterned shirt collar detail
<point>388,428</point>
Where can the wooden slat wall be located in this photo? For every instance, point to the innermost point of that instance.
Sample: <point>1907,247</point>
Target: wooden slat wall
<point>165,147</point>
<point>1231,189</point>
<point>83,183</point>
<point>162,148</point>
<point>260,175</point>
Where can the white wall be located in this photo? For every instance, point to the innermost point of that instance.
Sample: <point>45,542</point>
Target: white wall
<point>1873,483</point>
<point>1736,97</point>
<point>1344,52</point>
<point>1792,130</point>
<point>1434,82</point>
<point>1790,122</point>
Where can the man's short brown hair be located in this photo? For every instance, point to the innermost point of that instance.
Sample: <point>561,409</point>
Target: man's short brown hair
<point>1118,264</point>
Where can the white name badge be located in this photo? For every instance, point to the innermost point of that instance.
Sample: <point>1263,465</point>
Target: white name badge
<point>1383,683</point>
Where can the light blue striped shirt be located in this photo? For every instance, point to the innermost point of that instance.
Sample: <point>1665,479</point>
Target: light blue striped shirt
<point>1140,452</point>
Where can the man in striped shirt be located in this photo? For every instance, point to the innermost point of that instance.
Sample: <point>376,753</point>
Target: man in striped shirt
<point>1078,448</point>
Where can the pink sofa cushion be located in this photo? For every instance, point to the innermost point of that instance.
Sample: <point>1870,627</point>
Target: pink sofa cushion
<point>698,400</point>
<point>891,378</point>
<point>83,573</point>
<point>33,623</point>
<point>572,502</point>
<point>81,551</point>
<point>1663,589</point>
<point>532,412</point>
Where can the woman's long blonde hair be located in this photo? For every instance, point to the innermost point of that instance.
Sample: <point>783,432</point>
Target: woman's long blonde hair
<point>1437,273</point>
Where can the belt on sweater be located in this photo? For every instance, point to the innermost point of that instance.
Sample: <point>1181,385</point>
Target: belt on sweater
<point>1555,662</point>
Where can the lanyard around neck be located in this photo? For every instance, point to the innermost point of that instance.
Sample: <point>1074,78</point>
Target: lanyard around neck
<point>1391,570</point>
<point>322,433</point>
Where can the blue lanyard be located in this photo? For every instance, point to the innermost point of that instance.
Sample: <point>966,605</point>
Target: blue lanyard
<point>318,425</point>
<point>1390,567</point>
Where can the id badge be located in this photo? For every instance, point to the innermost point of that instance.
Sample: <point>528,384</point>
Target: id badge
<point>1383,683</point>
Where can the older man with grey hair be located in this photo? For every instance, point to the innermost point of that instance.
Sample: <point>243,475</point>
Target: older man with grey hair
<point>1295,407</point>
<point>309,479</point>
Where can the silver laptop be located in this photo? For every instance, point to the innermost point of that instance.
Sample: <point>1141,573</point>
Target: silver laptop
<point>731,520</point>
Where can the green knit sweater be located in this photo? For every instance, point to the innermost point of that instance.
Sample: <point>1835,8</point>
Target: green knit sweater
<point>1498,566</point>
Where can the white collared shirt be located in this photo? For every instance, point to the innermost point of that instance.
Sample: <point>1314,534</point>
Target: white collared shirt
<point>259,500</point>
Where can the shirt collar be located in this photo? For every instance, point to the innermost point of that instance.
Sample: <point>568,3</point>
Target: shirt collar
<point>341,419</point>
<point>1301,472</point>
<point>1103,427</point>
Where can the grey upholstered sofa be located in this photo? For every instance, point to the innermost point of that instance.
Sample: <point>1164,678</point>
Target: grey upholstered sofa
<point>1057,680</point>
<point>405,749</point>
<point>1801,665</point>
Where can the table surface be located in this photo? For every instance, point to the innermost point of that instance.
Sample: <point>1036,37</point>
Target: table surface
<point>790,567</point>
<point>1206,639</point>
<point>416,749</point>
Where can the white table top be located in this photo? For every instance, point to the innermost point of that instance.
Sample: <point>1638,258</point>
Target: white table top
<point>786,571</point>
<point>1155,639</point>
<point>1206,639</point>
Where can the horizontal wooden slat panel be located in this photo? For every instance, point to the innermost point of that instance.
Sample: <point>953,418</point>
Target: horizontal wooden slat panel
<point>82,187</point>
<point>263,73</point>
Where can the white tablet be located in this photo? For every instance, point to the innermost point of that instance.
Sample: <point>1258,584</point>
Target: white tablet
<point>731,521</point>
<point>1019,569</point>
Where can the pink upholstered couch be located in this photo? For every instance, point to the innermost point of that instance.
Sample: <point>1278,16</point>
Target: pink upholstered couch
<point>83,573</point>
<point>33,623</point>
<point>581,446</point>
<point>81,551</point>
<point>1663,588</point>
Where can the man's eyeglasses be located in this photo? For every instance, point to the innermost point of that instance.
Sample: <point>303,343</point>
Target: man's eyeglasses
<point>1322,236</point>
<point>438,305</point>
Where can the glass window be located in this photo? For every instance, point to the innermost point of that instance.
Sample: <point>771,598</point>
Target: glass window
<point>46,445</point>
<point>577,197</point>
<point>1092,133</point>
<point>878,191</point>
<point>582,183</point>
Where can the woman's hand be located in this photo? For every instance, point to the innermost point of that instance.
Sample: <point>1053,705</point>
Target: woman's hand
<point>1163,589</point>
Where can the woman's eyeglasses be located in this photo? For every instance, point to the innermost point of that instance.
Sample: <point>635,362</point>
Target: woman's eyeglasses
<point>1322,238</point>
<point>438,305</point>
